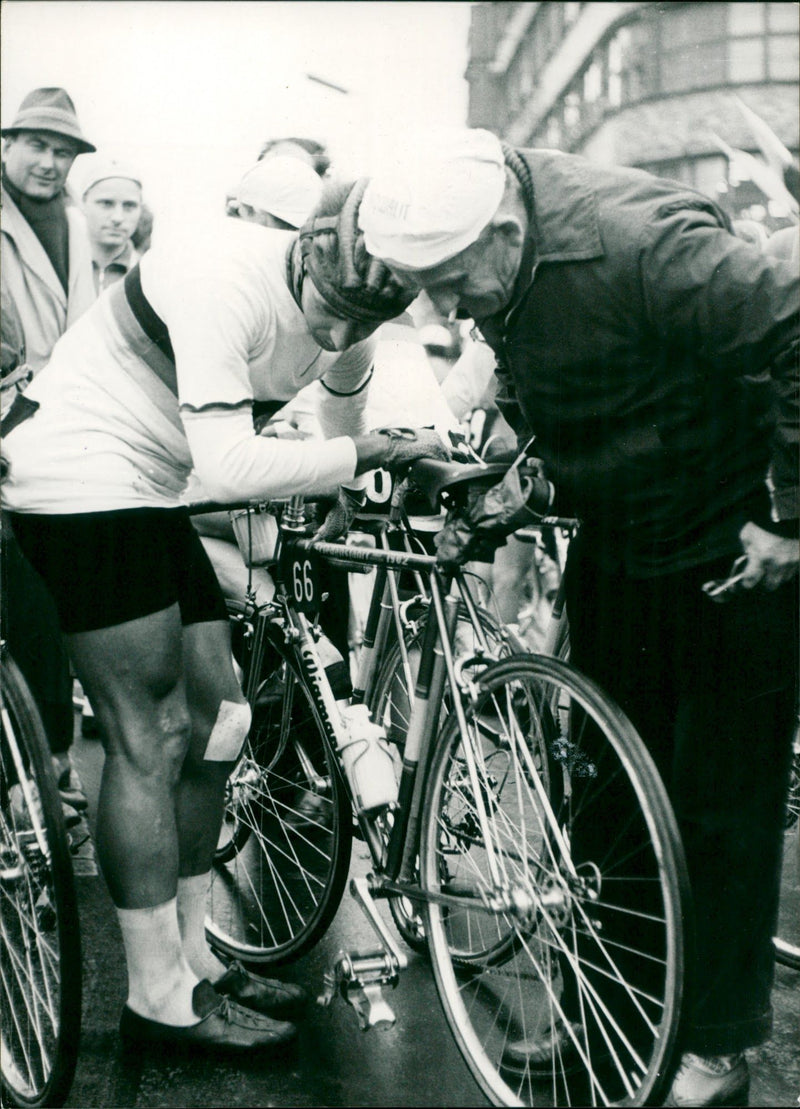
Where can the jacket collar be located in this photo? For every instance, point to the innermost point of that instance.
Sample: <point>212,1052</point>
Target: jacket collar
<point>17,228</point>
<point>564,223</point>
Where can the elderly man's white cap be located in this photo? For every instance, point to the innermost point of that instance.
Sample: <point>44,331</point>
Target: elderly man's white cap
<point>98,167</point>
<point>435,198</point>
<point>284,187</point>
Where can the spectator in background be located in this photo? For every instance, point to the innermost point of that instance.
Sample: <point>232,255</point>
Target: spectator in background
<point>45,257</point>
<point>111,194</point>
<point>307,150</point>
<point>46,273</point>
<point>279,192</point>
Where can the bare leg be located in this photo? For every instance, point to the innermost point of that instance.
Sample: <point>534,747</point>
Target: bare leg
<point>134,675</point>
<point>211,683</point>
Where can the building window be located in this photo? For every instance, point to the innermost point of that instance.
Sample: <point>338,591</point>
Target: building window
<point>783,58</point>
<point>746,59</point>
<point>572,111</point>
<point>693,67</point>
<point>746,19</point>
<point>593,83</point>
<point>781,18</point>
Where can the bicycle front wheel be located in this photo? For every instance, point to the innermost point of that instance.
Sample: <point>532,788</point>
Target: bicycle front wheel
<point>557,940</point>
<point>284,850</point>
<point>40,955</point>
<point>787,942</point>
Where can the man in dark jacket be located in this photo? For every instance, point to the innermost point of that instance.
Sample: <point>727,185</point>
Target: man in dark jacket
<point>654,356</point>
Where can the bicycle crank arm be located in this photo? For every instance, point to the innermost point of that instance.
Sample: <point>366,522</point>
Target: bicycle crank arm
<point>359,889</point>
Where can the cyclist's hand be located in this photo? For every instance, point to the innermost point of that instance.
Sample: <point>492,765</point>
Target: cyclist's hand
<point>338,520</point>
<point>406,445</point>
<point>771,559</point>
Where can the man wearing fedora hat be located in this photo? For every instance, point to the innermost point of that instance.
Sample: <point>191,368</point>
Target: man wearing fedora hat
<point>46,261</point>
<point>46,273</point>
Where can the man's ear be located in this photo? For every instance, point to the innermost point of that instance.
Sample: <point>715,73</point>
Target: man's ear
<point>509,228</point>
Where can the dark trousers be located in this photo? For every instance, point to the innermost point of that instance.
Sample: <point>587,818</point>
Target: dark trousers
<point>712,690</point>
<point>31,629</point>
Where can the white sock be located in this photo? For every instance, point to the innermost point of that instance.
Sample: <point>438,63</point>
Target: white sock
<point>192,896</point>
<point>160,980</point>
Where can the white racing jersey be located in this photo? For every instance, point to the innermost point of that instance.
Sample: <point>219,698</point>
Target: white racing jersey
<point>121,423</point>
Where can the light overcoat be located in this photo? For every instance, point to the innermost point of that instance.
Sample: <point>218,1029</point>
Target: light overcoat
<point>31,282</point>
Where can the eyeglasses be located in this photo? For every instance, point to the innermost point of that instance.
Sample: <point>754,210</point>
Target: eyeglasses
<point>720,589</point>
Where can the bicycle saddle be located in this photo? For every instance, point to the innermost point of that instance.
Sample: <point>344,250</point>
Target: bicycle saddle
<point>433,478</point>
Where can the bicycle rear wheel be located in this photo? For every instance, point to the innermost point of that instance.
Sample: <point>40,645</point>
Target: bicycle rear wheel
<point>284,852</point>
<point>560,960</point>
<point>40,955</point>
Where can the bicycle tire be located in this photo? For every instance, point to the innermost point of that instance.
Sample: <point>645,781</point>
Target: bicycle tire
<point>278,880</point>
<point>595,905</point>
<point>391,706</point>
<point>787,942</point>
<point>40,958</point>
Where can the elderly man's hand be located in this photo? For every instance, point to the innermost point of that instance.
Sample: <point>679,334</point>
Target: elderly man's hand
<point>771,559</point>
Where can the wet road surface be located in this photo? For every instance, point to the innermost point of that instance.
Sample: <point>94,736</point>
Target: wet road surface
<point>332,1063</point>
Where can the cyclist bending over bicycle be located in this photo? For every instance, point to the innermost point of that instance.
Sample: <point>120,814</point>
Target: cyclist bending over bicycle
<point>158,377</point>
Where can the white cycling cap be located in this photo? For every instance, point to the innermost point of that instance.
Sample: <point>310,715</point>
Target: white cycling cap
<point>97,167</point>
<point>284,187</point>
<point>435,198</point>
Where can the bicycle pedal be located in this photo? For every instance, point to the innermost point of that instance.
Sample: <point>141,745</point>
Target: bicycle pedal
<point>359,979</point>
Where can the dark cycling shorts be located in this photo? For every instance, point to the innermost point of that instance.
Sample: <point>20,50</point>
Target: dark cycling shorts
<point>105,568</point>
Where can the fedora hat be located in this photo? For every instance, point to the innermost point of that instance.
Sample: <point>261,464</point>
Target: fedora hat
<point>49,110</point>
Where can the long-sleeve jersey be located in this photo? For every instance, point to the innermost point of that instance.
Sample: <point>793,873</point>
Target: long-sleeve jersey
<point>138,393</point>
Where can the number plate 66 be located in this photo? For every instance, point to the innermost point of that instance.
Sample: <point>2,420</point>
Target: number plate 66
<point>301,579</point>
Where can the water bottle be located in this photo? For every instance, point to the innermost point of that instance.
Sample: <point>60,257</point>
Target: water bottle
<point>367,760</point>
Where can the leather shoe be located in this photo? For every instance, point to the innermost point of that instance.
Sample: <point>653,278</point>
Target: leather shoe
<point>553,1049</point>
<point>713,1080</point>
<point>223,1026</point>
<point>281,1000</point>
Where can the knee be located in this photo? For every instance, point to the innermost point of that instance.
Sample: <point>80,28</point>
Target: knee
<point>158,753</point>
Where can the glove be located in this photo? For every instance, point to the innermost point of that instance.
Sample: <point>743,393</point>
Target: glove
<point>474,533</point>
<point>406,445</point>
<point>339,518</point>
<point>522,497</point>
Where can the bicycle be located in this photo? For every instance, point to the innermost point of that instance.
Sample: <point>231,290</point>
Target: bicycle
<point>40,960</point>
<point>522,913</point>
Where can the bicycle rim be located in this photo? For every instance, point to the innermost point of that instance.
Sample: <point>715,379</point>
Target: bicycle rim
<point>280,872</point>
<point>561,976</point>
<point>40,956</point>
<point>787,942</point>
